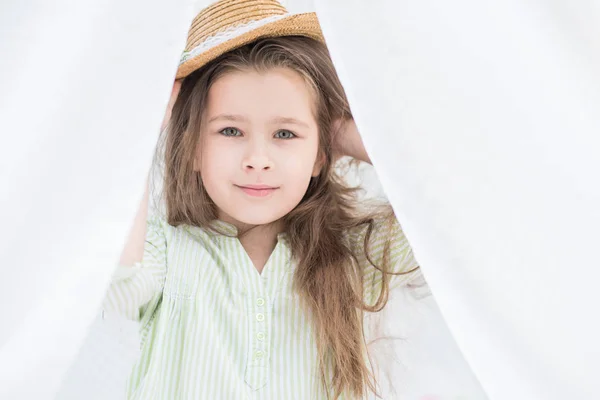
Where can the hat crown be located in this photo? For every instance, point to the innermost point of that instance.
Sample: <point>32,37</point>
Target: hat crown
<point>225,15</point>
<point>229,24</point>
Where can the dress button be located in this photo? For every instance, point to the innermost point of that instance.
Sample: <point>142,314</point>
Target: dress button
<point>258,354</point>
<point>260,302</point>
<point>260,336</point>
<point>260,317</point>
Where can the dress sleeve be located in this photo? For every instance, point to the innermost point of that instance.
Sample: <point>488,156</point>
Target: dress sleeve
<point>136,291</point>
<point>386,232</point>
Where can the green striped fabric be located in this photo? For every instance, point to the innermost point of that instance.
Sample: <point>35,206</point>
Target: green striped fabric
<point>212,327</point>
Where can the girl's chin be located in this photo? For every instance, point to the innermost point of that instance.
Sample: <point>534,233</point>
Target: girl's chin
<point>252,221</point>
<point>247,219</point>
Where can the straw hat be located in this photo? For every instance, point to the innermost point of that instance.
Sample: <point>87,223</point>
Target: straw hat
<point>228,24</point>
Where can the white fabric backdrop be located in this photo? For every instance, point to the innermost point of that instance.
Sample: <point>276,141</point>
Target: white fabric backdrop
<point>480,118</point>
<point>83,86</point>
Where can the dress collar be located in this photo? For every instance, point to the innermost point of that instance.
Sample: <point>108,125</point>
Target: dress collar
<point>232,231</point>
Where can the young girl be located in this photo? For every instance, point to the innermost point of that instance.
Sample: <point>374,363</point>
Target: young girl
<point>255,281</point>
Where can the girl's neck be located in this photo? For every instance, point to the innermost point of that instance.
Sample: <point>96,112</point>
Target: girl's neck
<point>259,244</point>
<point>259,241</point>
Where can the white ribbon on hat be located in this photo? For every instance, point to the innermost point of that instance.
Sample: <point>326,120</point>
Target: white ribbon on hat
<point>228,34</point>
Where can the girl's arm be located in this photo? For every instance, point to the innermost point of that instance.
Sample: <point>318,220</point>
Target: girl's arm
<point>133,251</point>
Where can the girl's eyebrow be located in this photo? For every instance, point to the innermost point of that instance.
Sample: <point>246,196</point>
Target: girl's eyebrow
<point>228,117</point>
<point>286,120</point>
<point>240,118</point>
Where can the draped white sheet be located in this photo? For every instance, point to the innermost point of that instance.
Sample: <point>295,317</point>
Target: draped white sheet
<point>480,117</point>
<point>83,86</point>
<point>482,120</point>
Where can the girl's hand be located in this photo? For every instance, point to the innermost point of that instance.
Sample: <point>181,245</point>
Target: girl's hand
<point>174,93</point>
<point>347,141</point>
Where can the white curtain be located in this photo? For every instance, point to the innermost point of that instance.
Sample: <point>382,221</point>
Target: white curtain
<point>482,120</point>
<point>83,86</point>
<point>480,117</point>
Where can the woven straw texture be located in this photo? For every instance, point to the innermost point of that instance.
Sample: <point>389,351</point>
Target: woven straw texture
<point>227,15</point>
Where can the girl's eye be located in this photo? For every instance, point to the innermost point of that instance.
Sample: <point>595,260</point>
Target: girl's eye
<point>284,135</point>
<point>230,132</point>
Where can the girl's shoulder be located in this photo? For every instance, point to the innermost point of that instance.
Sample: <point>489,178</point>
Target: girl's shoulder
<point>157,225</point>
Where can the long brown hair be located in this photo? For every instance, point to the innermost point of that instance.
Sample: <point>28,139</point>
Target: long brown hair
<point>327,278</point>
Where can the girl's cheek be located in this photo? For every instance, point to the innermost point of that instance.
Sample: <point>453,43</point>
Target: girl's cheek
<point>217,148</point>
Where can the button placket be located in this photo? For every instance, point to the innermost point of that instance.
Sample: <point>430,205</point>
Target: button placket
<point>257,370</point>
<point>260,334</point>
<point>260,345</point>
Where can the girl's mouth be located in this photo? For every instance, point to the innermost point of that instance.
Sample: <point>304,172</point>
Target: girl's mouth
<point>258,190</point>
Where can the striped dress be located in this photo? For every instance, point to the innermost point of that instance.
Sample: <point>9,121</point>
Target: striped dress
<point>212,327</point>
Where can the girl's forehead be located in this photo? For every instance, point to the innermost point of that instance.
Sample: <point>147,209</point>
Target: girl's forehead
<point>274,91</point>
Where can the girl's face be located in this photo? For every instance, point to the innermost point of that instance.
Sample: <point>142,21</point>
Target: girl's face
<point>259,144</point>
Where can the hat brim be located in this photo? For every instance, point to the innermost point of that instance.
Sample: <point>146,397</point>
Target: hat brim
<point>305,24</point>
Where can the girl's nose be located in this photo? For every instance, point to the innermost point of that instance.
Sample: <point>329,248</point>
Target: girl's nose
<point>257,158</point>
<point>258,163</point>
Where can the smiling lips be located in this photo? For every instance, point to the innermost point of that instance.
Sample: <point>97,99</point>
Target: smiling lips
<point>258,190</point>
